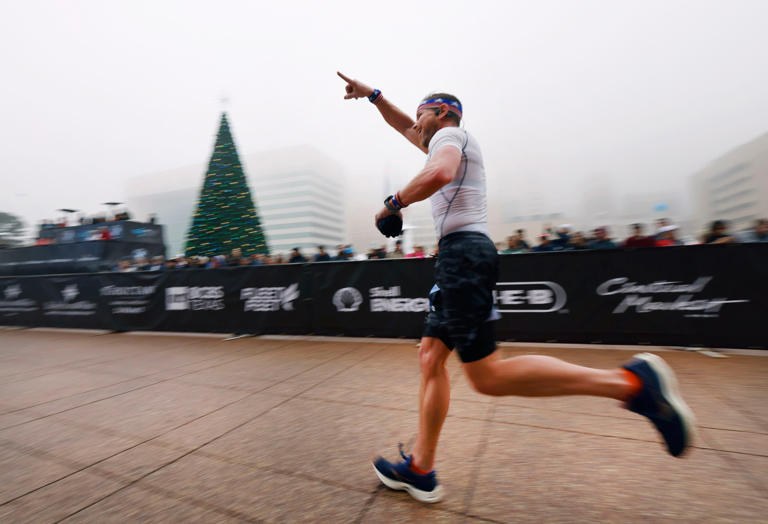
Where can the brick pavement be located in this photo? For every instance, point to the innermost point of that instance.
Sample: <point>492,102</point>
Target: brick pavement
<point>125,427</point>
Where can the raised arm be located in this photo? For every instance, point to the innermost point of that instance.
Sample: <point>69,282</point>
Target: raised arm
<point>393,115</point>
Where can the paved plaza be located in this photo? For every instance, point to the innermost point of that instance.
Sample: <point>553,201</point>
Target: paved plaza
<point>98,427</point>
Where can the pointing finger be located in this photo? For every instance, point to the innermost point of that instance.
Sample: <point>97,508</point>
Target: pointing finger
<point>345,78</point>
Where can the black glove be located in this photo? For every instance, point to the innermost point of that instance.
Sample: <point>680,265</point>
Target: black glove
<point>390,226</point>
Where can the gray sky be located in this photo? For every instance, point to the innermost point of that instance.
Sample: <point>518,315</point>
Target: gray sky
<point>93,93</point>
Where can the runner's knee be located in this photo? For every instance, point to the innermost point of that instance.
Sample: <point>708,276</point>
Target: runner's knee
<point>432,357</point>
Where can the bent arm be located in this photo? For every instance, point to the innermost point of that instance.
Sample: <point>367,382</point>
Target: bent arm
<point>439,171</point>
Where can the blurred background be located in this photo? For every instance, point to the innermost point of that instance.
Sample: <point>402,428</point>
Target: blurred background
<point>590,113</point>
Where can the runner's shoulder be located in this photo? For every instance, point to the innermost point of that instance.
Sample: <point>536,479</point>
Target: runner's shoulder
<point>453,136</point>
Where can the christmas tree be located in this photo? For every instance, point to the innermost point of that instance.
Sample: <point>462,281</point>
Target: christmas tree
<point>225,217</point>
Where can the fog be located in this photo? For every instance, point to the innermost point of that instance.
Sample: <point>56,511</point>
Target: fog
<point>559,93</point>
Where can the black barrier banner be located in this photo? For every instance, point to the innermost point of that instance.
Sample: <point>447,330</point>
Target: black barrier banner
<point>275,299</point>
<point>350,298</point>
<point>237,300</point>
<point>57,301</point>
<point>709,296</point>
<point>133,301</point>
<point>693,295</point>
<point>80,257</point>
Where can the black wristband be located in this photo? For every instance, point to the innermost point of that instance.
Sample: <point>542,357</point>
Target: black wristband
<point>374,96</point>
<point>391,204</point>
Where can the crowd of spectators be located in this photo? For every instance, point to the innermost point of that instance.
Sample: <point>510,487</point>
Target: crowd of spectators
<point>563,238</point>
<point>140,262</point>
<point>83,220</point>
<point>559,239</point>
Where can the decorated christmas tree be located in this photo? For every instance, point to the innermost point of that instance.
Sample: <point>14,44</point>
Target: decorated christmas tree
<point>225,217</point>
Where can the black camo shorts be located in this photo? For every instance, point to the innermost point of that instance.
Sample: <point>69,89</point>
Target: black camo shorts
<point>461,302</point>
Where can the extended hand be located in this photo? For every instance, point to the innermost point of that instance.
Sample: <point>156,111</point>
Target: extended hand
<point>385,212</point>
<point>355,89</point>
<point>388,223</point>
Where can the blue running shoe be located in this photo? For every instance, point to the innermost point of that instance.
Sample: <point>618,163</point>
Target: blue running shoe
<point>423,488</point>
<point>660,401</point>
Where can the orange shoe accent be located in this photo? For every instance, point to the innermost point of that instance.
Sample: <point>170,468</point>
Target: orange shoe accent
<point>634,382</point>
<point>418,471</point>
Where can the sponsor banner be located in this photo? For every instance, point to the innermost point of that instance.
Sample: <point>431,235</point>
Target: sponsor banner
<point>709,296</point>
<point>688,295</point>
<point>201,300</point>
<point>19,302</point>
<point>529,297</point>
<point>386,298</point>
<point>265,299</point>
<point>68,301</point>
<point>274,299</point>
<point>133,301</point>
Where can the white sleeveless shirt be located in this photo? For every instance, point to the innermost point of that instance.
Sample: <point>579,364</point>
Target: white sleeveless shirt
<point>462,204</point>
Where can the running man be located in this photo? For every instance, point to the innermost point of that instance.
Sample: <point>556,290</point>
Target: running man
<point>462,311</point>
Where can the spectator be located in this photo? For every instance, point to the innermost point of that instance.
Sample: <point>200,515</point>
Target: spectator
<point>345,252</point>
<point>523,242</point>
<point>235,258</point>
<point>560,243</point>
<point>141,264</point>
<point>124,266</point>
<point>601,239</point>
<point>667,236</point>
<point>418,252</point>
<point>637,239</point>
<point>296,257</point>
<point>544,244</point>
<point>377,253</point>
<point>321,255</point>
<point>718,233</point>
<point>398,252</point>
<point>660,223</point>
<point>217,261</point>
<point>514,245</point>
<point>257,259</point>
<point>578,242</point>
<point>104,233</point>
<point>156,264</point>
<point>757,234</point>
<point>122,215</point>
